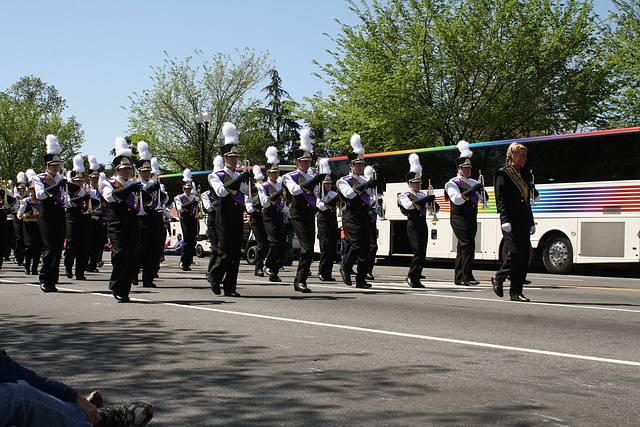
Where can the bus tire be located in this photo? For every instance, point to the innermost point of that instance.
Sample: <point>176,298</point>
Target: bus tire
<point>252,254</point>
<point>557,255</point>
<point>199,251</point>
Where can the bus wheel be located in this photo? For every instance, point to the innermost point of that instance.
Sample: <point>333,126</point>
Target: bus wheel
<point>199,251</point>
<point>557,255</point>
<point>252,254</point>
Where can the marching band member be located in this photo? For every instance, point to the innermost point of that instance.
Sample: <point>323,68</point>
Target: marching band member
<point>229,185</point>
<point>300,184</point>
<point>254,208</point>
<point>20,192</point>
<point>98,228</point>
<point>270,193</point>
<point>186,205</point>
<point>122,222</point>
<point>158,205</point>
<point>328,232</point>
<point>355,216</point>
<point>78,222</point>
<point>49,187</point>
<point>149,224</point>
<point>513,187</point>
<point>210,202</point>
<point>28,213</point>
<point>463,193</point>
<point>413,204</point>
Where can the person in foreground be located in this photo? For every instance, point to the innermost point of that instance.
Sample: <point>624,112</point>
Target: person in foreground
<point>30,399</point>
<point>513,187</point>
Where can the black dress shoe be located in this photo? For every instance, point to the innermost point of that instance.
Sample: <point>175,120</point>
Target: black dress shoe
<point>497,287</point>
<point>414,283</point>
<point>134,281</point>
<point>274,278</point>
<point>231,294</point>
<point>301,287</point>
<point>121,298</point>
<point>326,278</point>
<point>346,277</point>
<point>259,272</point>
<point>69,274</point>
<point>27,271</point>
<point>462,283</point>
<point>526,282</point>
<point>94,270</point>
<point>184,267</point>
<point>369,276</point>
<point>81,277</point>
<point>362,284</point>
<point>149,285</point>
<point>215,287</point>
<point>473,282</point>
<point>520,298</point>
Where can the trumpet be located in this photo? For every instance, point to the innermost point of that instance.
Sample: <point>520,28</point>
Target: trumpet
<point>247,186</point>
<point>67,196</point>
<point>87,190</point>
<point>482,200</point>
<point>199,205</point>
<point>139,199</point>
<point>432,207</point>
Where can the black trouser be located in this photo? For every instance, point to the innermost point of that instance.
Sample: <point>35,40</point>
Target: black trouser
<point>257,226</point>
<point>78,235</point>
<point>96,246</point>
<point>417,233</point>
<point>229,223</point>
<point>8,227</point>
<point>373,244</point>
<point>4,237</point>
<point>356,233</point>
<point>518,246</point>
<point>18,241</point>
<point>213,238</point>
<point>148,255</point>
<point>52,229</point>
<point>274,228</point>
<point>122,226</point>
<point>328,234</point>
<point>189,225</point>
<point>32,246</point>
<point>465,231</point>
<point>305,227</point>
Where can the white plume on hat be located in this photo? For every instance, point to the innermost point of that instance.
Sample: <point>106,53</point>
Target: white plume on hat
<point>230,133</point>
<point>186,175</point>
<point>155,166</point>
<point>257,173</point>
<point>218,163</point>
<point>53,147</point>
<point>272,155</point>
<point>122,148</point>
<point>103,176</point>
<point>463,147</point>
<point>21,178</point>
<point>143,150</point>
<point>356,144</point>
<point>414,163</point>
<point>323,166</point>
<point>30,174</point>
<point>78,163</point>
<point>68,177</point>
<point>93,163</point>
<point>305,140</point>
<point>368,172</point>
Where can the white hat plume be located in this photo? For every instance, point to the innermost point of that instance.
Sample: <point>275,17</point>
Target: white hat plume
<point>230,133</point>
<point>414,163</point>
<point>356,144</point>
<point>122,148</point>
<point>53,146</point>
<point>93,163</point>
<point>186,175</point>
<point>143,150</point>
<point>305,140</point>
<point>218,163</point>
<point>324,166</point>
<point>463,147</point>
<point>257,173</point>
<point>155,166</point>
<point>272,155</point>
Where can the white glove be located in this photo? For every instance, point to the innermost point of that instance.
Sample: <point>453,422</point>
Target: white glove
<point>532,230</point>
<point>506,227</point>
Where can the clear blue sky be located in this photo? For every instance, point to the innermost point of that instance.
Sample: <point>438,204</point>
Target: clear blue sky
<point>98,52</point>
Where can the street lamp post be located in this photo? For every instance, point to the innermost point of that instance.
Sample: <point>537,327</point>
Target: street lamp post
<point>202,121</point>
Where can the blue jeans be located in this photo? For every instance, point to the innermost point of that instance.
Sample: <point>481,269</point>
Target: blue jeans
<point>24,405</point>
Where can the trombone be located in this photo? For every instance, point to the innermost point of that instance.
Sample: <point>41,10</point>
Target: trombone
<point>432,207</point>
<point>482,200</point>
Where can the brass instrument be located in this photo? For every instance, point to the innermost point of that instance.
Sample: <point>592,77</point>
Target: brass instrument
<point>199,205</point>
<point>67,196</point>
<point>532,191</point>
<point>87,190</point>
<point>247,186</point>
<point>377,206</point>
<point>432,206</point>
<point>139,200</point>
<point>482,200</point>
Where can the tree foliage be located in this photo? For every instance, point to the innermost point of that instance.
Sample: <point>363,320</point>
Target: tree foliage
<point>429,72</point>
<point>29,110</point>
<point>164,116</point>
<point>623,59</point>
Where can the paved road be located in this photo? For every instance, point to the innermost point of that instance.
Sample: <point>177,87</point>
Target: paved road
<point>390,355</point>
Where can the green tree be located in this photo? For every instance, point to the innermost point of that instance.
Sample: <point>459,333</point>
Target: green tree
<point>29,110</point>
<point>429,72</point>
<point>623,59</point>
<point>164,116</point>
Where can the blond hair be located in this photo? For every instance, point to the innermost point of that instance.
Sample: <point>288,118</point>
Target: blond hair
<point>513,150</point>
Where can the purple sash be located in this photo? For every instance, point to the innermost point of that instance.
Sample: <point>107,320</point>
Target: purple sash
<point>183,199</point>
<point>278,203</point>
<point>411,196</point>
<point>58,195</point>
<point>238,197</point>
<point>310,197</point>
<point>473,198</point>
<point>130,200</point>
<point>364,196</point>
